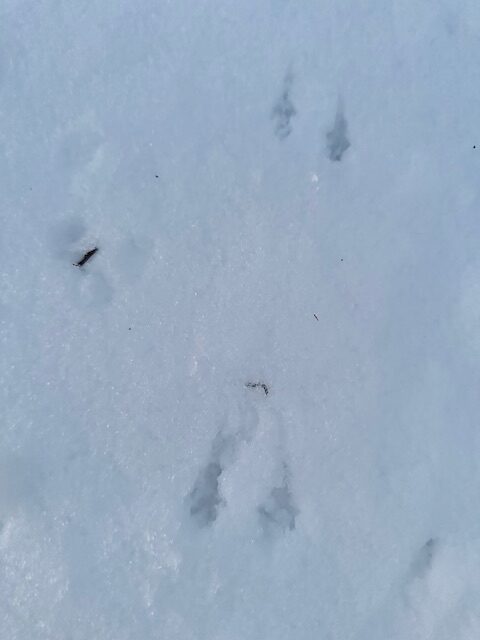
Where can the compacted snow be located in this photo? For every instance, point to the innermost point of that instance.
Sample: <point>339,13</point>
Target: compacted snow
<point>254,412</point>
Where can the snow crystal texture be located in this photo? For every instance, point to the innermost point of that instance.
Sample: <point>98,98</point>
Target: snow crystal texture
<point>252,413</point>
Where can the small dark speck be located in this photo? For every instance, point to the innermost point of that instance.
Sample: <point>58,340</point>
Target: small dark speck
<point>156,176</point>
<point>341,259</point>
<point>129,328</point>
<point>474,146</point>
<point>315,316</point>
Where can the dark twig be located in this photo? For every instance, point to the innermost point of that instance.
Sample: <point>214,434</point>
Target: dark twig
<point>255,385</point>
<point>86,257</point>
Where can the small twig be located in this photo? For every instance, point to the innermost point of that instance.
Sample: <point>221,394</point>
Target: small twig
<point>315,316</point>
<point>86,257</point>
<point>255,385</point>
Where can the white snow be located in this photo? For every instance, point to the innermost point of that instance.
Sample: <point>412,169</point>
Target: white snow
<point>283,194</point>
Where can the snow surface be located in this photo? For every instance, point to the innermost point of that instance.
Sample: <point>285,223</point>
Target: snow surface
<point>283,194</point>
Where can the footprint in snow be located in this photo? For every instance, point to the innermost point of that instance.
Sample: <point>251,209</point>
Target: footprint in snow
<point>423,560</point>
<point>205,499</point>
<point>278,513</point>
<point>284,110</point>
<point>337,139</point>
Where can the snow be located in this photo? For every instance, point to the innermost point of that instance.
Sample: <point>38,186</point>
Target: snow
<point>253,413</point>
